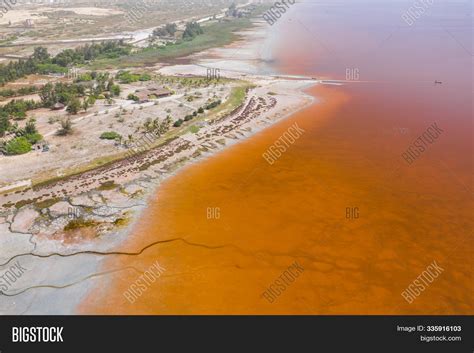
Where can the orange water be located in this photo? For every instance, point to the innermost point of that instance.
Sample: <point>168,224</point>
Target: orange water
<point>349,157</point>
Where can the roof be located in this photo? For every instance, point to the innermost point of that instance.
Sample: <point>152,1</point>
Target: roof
<point>58,106</point>
<point>142,95</point>
<point>156,91</point>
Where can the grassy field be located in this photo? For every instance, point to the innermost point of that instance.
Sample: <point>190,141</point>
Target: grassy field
<point>215,35</point>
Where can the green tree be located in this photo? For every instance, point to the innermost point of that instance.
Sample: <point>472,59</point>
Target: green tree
<point>85,105</point>
<point>178,123</point>
<point>192,30</point>
<point>47,95</point>
<point>115,89</point>
<point>4,123</point>
<point>40,54</point>
<point>91,100</point>
<point>30,127</point>
<point>133,97</point>
<point>66,127</point>
<point>73,106</point>
<point>171,28</point>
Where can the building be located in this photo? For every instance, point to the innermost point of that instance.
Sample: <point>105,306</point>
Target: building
<point>159,92</point>
<point>145,95</point>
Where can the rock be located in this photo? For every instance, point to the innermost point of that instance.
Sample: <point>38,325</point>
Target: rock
<point>115,198</point>
<point>61,208</point>
<point>104,211</point>
<point>24,220</point>
<point>96,198</point>
<point>132,189</point>
<point>83,200</point>
<point>12,244</point>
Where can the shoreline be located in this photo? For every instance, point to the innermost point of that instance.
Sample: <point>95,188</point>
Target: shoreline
<point>135,193</point>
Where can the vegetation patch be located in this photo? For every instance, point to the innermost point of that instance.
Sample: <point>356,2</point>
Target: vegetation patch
<point>108,185</point>
<point>196,39</point>
<point>19,145</point>
<point>110,135</point>
<point>22,203</point>
<point>47,203</point>
<point>121,222</point>
<point>79,223</point>
<point>194,129</point>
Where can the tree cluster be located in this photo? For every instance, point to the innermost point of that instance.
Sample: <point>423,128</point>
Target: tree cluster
<point>193,29</point>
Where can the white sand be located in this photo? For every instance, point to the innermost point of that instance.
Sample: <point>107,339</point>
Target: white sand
<point>16,15</point>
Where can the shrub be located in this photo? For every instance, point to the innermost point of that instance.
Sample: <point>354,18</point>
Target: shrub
<point>178,123</point>
<point>188,117</point>
<point>133,97</point>
<point>4,123</point>
<point>110,135</point>
<point>30,127</point>
<point>19,145</point>
<point>34,138</point>
<point>115,90</point>
<point>66,127</point>
<point>145,77</point>
<point>213,104</point>
<point>79,223</point>
<point>192,30</point>
<point>73,106</point>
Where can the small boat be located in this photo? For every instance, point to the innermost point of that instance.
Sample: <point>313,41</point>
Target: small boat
<point>438,82</point>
